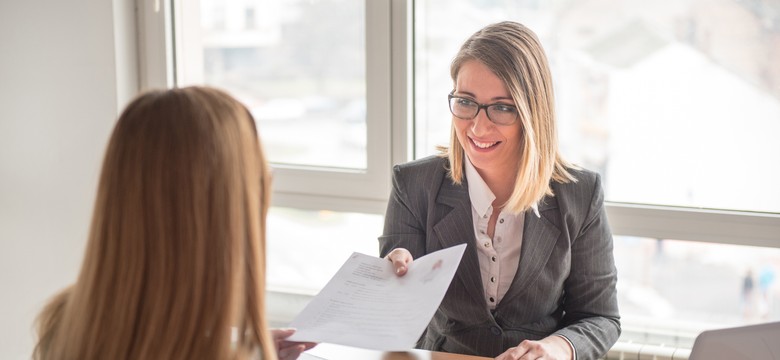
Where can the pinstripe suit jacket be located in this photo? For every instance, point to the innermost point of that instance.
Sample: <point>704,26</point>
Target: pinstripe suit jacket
<point>565,282</point>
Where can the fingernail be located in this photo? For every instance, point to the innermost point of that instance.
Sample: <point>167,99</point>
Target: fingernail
<point>399,270</point>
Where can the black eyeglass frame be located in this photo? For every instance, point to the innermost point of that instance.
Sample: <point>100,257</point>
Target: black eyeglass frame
<point>451,96</point>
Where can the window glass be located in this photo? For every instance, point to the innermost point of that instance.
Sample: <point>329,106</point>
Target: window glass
<point>306,248</point>
<point>300,68</point>
<point>670,105</point>
<point>686,287</point>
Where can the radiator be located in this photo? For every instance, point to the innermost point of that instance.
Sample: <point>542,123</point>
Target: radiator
<point>636,351</point>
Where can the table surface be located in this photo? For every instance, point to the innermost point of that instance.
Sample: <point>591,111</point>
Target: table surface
<point>340,352</point>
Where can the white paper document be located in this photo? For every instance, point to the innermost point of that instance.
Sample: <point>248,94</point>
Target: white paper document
<point>366,305</point>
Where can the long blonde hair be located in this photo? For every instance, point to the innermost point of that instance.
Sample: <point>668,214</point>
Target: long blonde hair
<point>175,261</point>
<point>514,54</point>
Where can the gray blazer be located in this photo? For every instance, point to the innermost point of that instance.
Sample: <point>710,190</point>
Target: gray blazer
<point>565,283</point>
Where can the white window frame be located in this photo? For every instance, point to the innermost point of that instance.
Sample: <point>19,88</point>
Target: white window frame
<point>303,187</point>
<point>704,225</point>
<point>155,44</point>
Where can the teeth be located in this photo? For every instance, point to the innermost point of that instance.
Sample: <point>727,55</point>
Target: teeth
<point>482,145</point>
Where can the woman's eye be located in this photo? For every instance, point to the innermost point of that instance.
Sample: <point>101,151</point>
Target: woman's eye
<point>504,108</point>
<point>465,102</point>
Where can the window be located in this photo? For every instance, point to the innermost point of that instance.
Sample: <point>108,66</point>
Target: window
<point>671,290</point>
<point>307,247</point>
<point>302,75</point>
<point>675,110</point>
<point>316,76</point>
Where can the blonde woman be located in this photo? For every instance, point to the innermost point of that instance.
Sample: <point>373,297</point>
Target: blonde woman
<point>175,262</point>
<point>538,279</point>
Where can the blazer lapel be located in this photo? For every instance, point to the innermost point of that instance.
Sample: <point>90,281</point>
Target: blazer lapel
<point>539,237</point>
<point>453,226</point>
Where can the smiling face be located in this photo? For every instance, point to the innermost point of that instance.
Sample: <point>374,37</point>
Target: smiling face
<point>493,149</point>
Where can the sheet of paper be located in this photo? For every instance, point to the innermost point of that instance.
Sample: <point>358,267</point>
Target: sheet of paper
<point>366,305</point>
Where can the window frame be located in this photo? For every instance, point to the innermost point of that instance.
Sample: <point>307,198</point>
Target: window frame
<point>162,36</point>
<point>703,225</point>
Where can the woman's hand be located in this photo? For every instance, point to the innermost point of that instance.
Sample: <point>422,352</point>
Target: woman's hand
<point>552,347</point>
<point>401,258</point>
<point>288,350</point>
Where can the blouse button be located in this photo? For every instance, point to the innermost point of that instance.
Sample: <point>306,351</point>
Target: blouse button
<point>493,258</point>
<point>492,300</point>
<point>492,279</point>
<point>487,244</point>
<point>501,221</point>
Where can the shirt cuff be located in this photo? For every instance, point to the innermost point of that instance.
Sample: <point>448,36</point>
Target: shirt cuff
<point>573,349</point>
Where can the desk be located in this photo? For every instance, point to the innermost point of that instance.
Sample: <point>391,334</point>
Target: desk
<point>340,352</point>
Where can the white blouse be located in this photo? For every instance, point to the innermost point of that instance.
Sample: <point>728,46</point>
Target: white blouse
<point>499,257</point>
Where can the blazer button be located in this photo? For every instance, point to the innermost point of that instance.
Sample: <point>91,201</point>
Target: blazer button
<point>495,330</point>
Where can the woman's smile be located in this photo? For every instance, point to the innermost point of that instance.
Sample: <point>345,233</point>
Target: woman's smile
<point>483,145</point>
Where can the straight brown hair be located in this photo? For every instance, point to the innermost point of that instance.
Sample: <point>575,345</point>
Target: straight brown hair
<point>175,260</point>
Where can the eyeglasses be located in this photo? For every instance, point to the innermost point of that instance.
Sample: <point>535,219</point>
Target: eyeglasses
<point>467,109</point>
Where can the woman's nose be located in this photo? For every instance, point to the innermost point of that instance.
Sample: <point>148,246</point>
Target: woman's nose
<point>481,124</point>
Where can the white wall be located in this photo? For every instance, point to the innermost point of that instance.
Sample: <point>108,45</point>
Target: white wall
<point>59,97</point>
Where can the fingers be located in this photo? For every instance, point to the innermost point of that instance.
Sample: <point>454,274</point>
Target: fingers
<point>514,353</point>
<point>292,344</point>
<point>400,258</point>
<point>509,354</point>
<point>292,350</point>
<point>280,334</point>
<point>527,350</point>
<point>290,353</point>
<point>288,350</point>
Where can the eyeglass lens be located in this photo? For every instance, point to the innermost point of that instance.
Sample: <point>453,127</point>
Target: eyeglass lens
<point>468,109</point>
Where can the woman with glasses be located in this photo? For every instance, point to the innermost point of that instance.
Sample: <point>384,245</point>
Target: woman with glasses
<point>538,279</point>
<point>175,261</point>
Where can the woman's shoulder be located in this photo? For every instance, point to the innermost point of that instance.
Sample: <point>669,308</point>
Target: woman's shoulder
<point>427,167</point>
<point>583,176</point>
<point>420,179</point>
<point>585,184</point>
<point>426,162</point>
